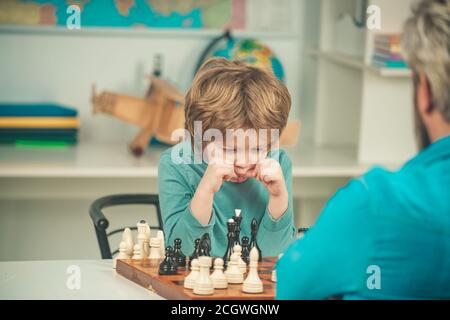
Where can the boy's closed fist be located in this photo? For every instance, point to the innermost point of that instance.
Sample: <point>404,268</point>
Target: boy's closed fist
<point>215,174</point>
<point>269,172</point>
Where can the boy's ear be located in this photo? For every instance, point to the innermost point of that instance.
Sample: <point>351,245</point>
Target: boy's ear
<point>424,95</point>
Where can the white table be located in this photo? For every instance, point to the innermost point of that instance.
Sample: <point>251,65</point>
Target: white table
<point>49,280</point>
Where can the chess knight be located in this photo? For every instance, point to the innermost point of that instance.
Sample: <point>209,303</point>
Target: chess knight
<point>158,114</point>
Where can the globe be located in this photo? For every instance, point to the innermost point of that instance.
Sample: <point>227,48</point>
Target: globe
<point>253,52</point>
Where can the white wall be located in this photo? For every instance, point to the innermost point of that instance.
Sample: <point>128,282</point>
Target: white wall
<point>62,66</point>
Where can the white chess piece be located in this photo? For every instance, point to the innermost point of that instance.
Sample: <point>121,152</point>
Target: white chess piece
<point>190,279</point>
<point>241,263</point>
<point>204,285</point>
<point>155,252</point>
<point>234,274</point>
<point>253,283</point>
<point>128,238</point>
<point>141,243</point>
<point>218,277</point>
<point>274,271</point>
<point>162,246</point>
<point>137,254</point>
<point>148,232</point>
<point>143,234</point>
<point>122,253</point>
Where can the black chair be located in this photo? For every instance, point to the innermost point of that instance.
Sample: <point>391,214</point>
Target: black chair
<point>101,223</point>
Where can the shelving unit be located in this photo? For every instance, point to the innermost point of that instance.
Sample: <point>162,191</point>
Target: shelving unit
<point>360,105</point>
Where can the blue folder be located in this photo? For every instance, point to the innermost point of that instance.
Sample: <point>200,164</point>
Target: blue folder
<point>35,110</point>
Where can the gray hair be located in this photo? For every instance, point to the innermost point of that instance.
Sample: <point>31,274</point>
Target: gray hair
<point>426,47</point>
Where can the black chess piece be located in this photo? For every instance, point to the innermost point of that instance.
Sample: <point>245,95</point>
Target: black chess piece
<point>194,254</point>
<point>204,248</point>
<point>231,224</point>
<point>253,243</point>
<point>246,249</point>
<point>237,220</point>
<point>167,267</point>
<point>178,257</point>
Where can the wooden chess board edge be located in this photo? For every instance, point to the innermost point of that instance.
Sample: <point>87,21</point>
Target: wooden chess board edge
<point>141,278</point>
<point>168,290</point>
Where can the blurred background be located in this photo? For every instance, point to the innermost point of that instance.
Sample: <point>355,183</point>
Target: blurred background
<point>61,60</point>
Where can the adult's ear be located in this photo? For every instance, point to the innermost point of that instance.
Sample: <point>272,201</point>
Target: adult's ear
<point>424,96</point>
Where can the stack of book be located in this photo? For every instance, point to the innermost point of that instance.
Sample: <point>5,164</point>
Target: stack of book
<point>387,52</point>
<point>38,125</point>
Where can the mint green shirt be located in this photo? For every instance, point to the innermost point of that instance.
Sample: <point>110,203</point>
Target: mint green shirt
<point>177,185</point>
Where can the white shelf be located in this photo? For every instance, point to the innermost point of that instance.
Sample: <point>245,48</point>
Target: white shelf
<point>356,62</point>
<point>143,32</point>
<point>88,160</point>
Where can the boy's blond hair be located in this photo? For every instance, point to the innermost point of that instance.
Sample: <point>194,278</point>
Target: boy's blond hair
<point>233,95</point>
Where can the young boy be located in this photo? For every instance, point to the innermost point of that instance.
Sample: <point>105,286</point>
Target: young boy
<point>242,171</point>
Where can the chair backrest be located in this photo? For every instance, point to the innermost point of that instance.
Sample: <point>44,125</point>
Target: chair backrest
<point>101,223</point>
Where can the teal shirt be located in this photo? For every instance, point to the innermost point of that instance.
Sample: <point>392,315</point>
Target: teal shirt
<point>177,185</point>
<point>385,235</point>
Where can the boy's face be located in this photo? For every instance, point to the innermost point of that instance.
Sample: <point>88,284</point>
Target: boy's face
<point>241,149</point>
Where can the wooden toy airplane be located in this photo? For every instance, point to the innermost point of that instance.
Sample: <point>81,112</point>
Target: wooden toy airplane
<point>158,114</point>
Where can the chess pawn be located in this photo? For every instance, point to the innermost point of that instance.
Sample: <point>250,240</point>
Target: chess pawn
<point>122,253</point>
<point>167,267</point>
<point>253,283</point>
<point>218,277</point>
<point>127,237</point>
<point>137,254</point>
<point>234,274</point>
<point>178,256</point>
<point>155,252</point>
<point>204,285</point>
<point>246,250</point>
<point>162,245</point>
<point>274,271</point>
<point>237,249</point>
<point>190,279</point>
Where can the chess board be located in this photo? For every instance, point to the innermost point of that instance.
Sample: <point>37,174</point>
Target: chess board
<point>145,273</point>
